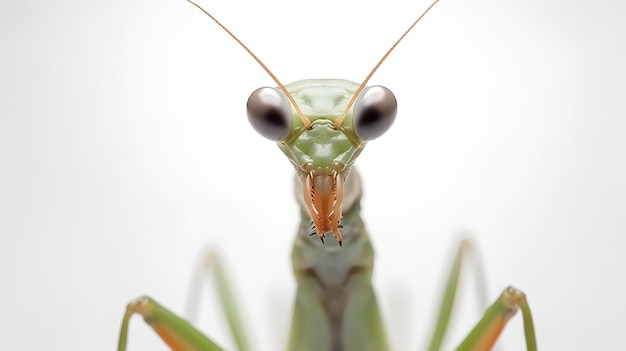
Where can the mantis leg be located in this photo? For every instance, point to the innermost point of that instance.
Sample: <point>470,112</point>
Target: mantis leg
<point>488,329</point>
<point>178,333</point>
<point>212,264</point>
<point>486,332</point>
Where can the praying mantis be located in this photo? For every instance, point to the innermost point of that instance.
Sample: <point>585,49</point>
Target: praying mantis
<point>322,127</point>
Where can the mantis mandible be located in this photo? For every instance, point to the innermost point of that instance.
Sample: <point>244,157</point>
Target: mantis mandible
<point>322,126</point>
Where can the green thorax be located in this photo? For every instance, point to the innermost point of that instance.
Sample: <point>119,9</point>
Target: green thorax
<point>336,308</point>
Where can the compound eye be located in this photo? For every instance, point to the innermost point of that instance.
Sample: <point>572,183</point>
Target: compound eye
<point>374,112</point>
<point>269,113</point>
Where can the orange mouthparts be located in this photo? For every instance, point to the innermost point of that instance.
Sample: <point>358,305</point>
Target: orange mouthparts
<point>323,196</point>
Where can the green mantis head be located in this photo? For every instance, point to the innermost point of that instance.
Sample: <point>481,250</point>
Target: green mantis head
<point>322,126</point>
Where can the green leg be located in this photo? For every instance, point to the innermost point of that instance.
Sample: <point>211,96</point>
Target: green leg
<point>447,303</point>
<point>486,332</point>
<point>179,334</point>
<point>212,264</point>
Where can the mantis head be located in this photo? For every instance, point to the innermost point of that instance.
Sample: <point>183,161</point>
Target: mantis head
<point>322,134</point>
<point>322,128</point>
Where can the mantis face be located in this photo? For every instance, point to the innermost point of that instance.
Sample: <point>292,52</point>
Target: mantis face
<point>322,128</point>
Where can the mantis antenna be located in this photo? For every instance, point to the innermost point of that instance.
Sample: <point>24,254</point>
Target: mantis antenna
<point>339,120</point>
<point>305,121</point>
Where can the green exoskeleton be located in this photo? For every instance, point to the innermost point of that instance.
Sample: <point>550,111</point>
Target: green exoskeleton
<point>322,126</point>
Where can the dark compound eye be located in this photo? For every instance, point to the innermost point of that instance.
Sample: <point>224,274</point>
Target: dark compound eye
<point>374,112</point>
<point>269,113</point>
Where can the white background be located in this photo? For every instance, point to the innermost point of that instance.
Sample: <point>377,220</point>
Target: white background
<point>125,151</point>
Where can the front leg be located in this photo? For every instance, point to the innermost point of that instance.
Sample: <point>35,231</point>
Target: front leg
<point>178,333</point>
